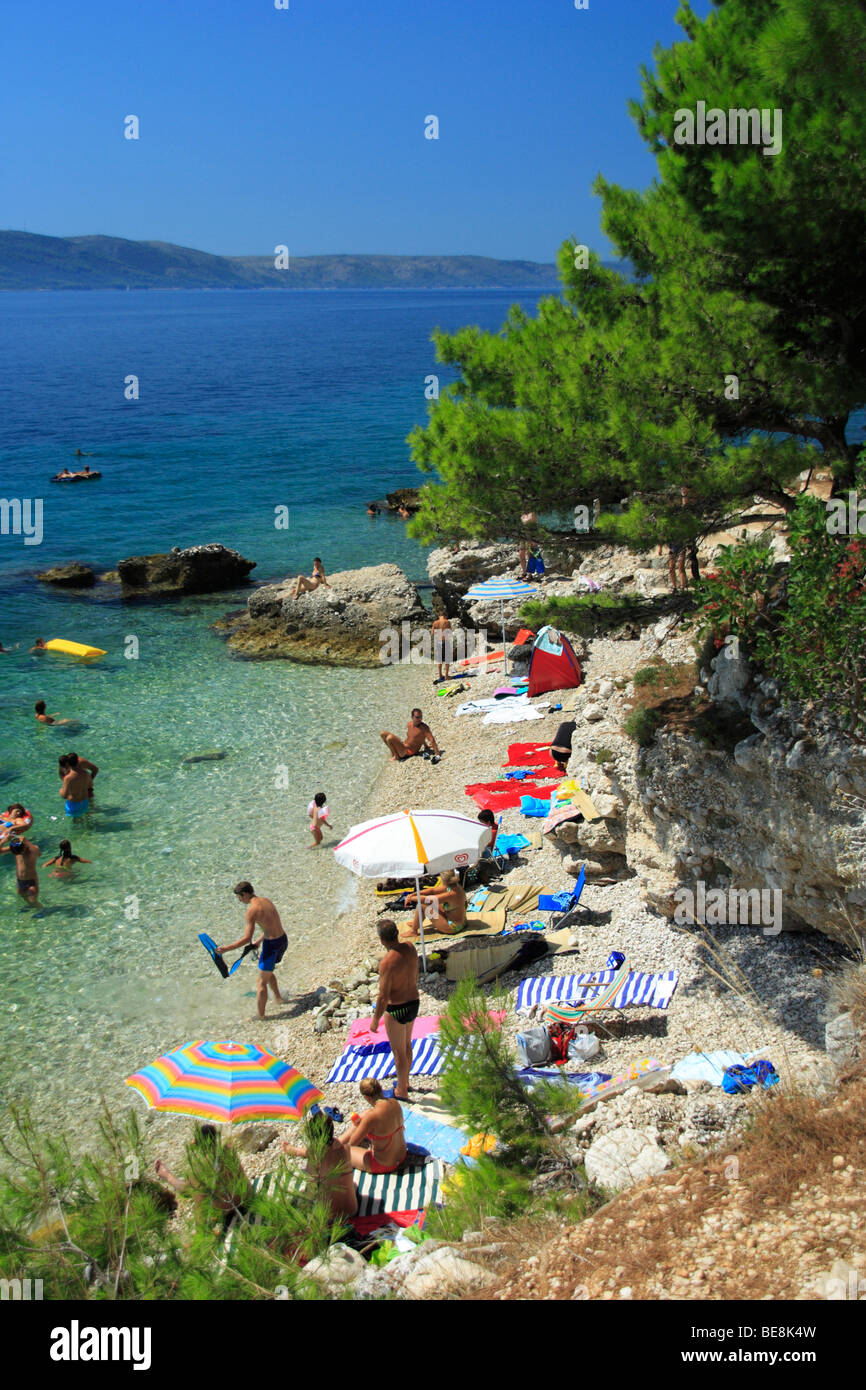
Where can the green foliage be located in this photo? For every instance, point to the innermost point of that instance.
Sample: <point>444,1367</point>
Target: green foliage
<point>749,266</point>
<point>646,675</point>
<point>91,1226</point>
<point>604,755</point>
<point>584,615</point>
<point>805,626</point>
<point>642,725</point>
<point>493,1190</point>
<point>478,1084</point>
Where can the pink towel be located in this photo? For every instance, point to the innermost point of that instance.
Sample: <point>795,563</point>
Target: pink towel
<point>360,1035</point>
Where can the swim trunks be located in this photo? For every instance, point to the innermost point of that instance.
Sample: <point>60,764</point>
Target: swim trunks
<point>77,808</point>
<point>24,884</point>
<point>404,1013</point>
<point>272,952</point>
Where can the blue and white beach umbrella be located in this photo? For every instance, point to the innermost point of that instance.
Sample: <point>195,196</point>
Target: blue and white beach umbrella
<point>501,588</point>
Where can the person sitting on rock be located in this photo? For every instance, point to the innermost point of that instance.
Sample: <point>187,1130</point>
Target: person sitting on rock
<point>309,586</point>
<point>418,736</point>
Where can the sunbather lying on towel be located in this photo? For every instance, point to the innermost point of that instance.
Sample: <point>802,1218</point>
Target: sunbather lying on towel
<point>444,907</point>
<point>376,1143</point>
<point>216,1182</point>
<point>328,1165</point>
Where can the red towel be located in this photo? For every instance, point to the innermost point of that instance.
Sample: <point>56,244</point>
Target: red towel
<point>366,1225</point>
<point>529,755</point>
<point>503,800</point>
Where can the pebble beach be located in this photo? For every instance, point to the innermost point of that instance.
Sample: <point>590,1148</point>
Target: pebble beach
<point>780,1014</point>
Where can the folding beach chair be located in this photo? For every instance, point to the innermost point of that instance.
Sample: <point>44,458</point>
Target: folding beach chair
<point>569,911</point>
<point>592,1007</point>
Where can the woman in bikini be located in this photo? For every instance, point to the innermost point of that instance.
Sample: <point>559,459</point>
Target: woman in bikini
<point>376,1143</point>
<point>444,907</point>
<point>309,586</point>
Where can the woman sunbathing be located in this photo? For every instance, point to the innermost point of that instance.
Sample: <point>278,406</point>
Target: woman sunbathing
<point>376,1143</point>
<point>309,586</point>
<point>445,907</point>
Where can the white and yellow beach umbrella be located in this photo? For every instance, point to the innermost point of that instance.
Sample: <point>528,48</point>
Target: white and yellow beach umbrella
<point>410,844</point>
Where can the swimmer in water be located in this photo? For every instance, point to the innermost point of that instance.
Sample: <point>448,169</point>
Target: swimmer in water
<point>77,785</point>
<point>14,819</point>
<point>39,645</point>
<point>44,718</point>
<point>64,860</point>
<point>27,879</point>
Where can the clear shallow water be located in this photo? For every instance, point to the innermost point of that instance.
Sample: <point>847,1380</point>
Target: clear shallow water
<point>248,401</point>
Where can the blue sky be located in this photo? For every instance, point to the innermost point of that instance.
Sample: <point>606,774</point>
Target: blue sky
<point>306,126</point>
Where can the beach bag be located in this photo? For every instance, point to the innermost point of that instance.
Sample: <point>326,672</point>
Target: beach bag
<point>533,1047</point>
<point>582,1047</point>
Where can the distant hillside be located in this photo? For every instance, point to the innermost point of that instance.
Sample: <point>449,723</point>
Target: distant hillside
<point>32,262</point>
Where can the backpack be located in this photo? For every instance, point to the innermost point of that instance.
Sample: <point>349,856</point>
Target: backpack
<point>533,1047</point>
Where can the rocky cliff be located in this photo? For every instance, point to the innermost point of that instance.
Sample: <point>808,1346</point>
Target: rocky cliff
<point>781,808</point>
<point>346,623</point>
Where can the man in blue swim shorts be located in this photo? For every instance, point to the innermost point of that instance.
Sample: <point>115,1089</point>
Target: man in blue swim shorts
<point>273,941</point>
<point>76,787</point>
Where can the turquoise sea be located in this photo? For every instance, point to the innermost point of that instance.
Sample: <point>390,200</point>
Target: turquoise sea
<point>248,401</point>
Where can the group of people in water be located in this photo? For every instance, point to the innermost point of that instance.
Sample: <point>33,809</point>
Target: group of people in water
<point>76,787</point>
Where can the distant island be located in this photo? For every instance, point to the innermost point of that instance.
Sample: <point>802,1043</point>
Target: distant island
<point>32,262</point>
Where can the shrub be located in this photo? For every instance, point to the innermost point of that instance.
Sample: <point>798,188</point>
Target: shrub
<point>647,675</point>
<point>806,626</point>
<point>642,725</point>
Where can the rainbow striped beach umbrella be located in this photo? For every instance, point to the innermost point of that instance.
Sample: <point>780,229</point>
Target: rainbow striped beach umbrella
<point>226,1083</point>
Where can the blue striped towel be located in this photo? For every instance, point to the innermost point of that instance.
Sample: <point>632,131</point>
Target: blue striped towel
<point>652,991</point>
<point>354,1065</point>
<point>414,1186</point>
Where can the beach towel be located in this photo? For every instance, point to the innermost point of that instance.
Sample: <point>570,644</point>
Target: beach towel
<point>508,796</point>
<point>513,712</point>
<point>489,704</point>
<point>505,844</point>
<point>588,1081</point>
<point>528,754</point>
<point>352,1065</point>
<point>477,924</point>
<point>441,1140</point>
<point>414,1185</point>
<point>652,991</point>
<point>643,1074</point>
<point>360,1035</point>
<point>710,1066</point>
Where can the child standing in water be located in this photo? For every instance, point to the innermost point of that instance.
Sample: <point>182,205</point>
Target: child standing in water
<point>318,813</point>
